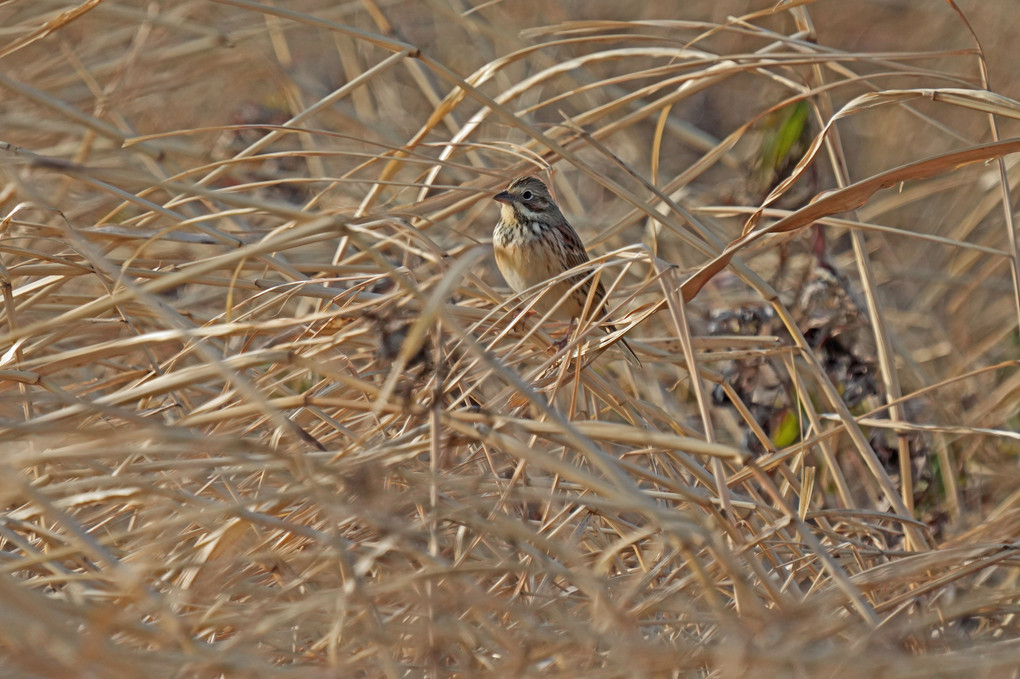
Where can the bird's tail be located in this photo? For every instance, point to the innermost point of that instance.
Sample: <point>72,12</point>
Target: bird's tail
<point>625,348</point>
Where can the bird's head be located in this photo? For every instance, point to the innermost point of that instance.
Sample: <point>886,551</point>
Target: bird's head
<point>526,199</point>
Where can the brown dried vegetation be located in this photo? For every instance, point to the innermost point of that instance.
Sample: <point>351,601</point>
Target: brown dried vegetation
<point>267,409</point>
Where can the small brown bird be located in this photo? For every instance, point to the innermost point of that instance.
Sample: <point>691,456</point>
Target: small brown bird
<point>534,242</point>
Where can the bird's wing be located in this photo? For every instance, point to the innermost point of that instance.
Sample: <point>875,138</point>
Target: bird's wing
<point>576,256</point>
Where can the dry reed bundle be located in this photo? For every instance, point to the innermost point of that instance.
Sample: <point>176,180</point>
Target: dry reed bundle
<point>268,409</point>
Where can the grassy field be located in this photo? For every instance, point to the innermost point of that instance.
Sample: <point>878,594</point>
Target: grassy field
<point>267,408</point>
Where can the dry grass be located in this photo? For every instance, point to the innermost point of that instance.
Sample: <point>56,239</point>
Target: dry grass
<point>268,410</point>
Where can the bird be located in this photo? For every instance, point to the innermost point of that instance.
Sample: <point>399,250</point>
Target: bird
<point>533,242</point>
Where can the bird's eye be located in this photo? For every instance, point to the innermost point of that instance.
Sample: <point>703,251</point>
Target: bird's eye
<point>527,195</point>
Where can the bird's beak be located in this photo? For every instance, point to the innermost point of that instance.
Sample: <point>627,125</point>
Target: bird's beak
<point>503,197</point>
